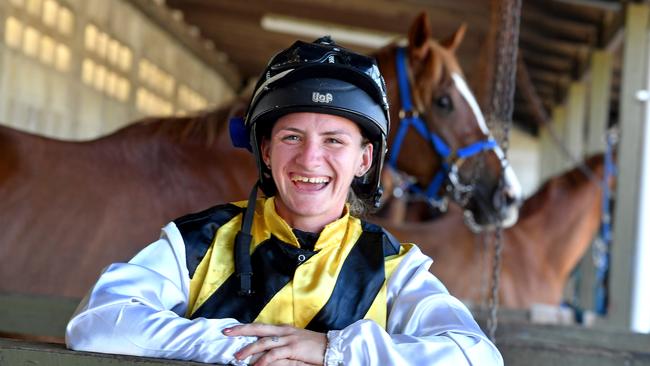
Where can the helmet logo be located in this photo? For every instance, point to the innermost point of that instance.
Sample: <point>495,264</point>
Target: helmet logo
<point>317,97</point>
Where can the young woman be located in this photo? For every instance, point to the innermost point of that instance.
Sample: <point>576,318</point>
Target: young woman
<point>295,278</point>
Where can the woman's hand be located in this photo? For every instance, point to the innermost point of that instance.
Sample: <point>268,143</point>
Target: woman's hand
<point>281,344</point>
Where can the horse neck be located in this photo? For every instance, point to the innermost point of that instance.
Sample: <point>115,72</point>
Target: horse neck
<point>562,219</point>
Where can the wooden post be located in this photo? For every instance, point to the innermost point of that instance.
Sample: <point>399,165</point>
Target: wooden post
<point>630,214</point>
<point>551,158</point>
<point>601,81</point>
<point>575,122</point>
<point>597,120</point>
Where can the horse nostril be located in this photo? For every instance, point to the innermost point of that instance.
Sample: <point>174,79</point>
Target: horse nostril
<point>512,197</point>
<point>505,198</point>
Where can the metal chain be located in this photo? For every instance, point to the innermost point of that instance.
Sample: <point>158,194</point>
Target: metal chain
<point>502,109</point>
<point>483,241</point>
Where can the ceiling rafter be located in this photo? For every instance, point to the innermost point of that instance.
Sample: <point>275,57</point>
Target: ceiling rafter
<point>556,36</point>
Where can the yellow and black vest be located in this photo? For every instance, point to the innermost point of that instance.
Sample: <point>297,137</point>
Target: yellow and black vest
<point>339,282</point>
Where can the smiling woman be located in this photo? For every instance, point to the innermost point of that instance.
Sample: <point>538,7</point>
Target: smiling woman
<point>292,278</point>
<point>315,157</point>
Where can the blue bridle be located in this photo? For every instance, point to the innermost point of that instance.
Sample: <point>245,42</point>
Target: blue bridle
<point>411,118</point>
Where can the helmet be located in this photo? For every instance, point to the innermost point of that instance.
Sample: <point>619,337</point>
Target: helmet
<point>321,77</point>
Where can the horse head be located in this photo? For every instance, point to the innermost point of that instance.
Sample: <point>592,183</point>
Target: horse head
<point>439,136</point>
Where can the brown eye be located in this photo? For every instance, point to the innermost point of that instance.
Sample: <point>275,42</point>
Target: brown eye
<point>444,102</point>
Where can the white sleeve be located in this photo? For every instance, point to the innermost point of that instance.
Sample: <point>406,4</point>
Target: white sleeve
<point>426,326</point>
<point>137,308</point>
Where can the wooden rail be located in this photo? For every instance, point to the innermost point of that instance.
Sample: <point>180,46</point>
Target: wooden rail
<point>34,315</point>
<point>542,345</point>
<point>520,342</point>
<point>15,352</point>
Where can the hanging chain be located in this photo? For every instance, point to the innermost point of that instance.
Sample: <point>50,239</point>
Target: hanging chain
<point>483,243</point>
<point>501,112</point>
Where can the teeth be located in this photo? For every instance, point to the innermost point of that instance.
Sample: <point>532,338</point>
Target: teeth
<point>298,178</point>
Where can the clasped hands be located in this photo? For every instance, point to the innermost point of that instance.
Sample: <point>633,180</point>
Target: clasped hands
<point>280,345</point>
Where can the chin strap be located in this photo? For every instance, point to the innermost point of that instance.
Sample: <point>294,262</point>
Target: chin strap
<point>376,198</point>
<point>243,239</point>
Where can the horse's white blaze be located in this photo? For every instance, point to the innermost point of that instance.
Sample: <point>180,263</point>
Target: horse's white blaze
<point>511,181</point>
<point>514,191</point>
<point>463,89</point>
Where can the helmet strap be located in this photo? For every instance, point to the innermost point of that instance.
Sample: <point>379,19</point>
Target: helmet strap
<point>376,199</point>
<point>243,239</point>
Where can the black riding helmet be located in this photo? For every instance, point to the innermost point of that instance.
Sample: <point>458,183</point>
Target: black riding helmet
<point>322,77</point>
<point>318,77</point>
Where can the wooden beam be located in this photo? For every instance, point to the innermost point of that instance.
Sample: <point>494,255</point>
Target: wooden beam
<point>13,352</point>
<point>521,344</point>
<point>583,11</point>
<point>545,90</point>
<point>164,18</point>
<point>559,81</point>
<point>526,87</point>
<point>545,22</point>
<point>388,16</point>
<point>537,345</point>
<point>613,25</point>
<point>630,216</point>
<point>530,39</point>
<point>228,33</point>
<point>552,62</point>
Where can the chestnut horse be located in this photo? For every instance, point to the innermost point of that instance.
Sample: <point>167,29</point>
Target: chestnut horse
<point>71,208</point>
<point>443,143</point>
<point>555,228</point>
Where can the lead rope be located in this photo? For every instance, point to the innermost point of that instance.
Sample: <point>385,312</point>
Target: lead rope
<point>502,108</point>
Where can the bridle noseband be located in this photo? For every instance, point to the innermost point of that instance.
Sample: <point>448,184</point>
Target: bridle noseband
<point>451,160</point>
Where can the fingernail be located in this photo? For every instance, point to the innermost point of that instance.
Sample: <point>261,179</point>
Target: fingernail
<point>227,330</point>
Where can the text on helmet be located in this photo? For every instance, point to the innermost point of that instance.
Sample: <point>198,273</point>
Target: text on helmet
<point>317,97</point>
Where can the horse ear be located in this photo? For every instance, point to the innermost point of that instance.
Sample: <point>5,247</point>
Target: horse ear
<point>419,33</point>
<point>455,39</point>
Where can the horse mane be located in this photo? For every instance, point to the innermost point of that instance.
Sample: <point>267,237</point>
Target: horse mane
<point>203,126</point>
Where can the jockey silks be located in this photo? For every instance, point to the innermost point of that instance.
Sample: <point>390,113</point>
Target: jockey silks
<point>340,281</point>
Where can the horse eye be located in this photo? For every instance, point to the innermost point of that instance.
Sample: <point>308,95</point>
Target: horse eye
<point>444,102</point>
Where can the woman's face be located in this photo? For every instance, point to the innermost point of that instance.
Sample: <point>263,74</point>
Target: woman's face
<point>313,159</point>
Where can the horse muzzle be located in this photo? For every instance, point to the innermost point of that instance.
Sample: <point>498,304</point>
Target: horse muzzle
<point>500,207</point>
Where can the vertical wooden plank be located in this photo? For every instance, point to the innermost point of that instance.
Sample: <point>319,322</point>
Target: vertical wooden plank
<point>629,213</point>
<point>574,142</point>
<point>575,121</point>
<point>640,317</point>
<point>597,120</point>
<point>551,157</point>
<point>599,94</point>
